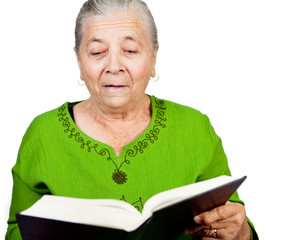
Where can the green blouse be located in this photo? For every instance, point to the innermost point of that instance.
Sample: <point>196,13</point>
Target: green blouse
<point>179,147</point>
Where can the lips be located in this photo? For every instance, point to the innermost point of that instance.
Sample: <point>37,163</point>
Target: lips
<point>114,86</point>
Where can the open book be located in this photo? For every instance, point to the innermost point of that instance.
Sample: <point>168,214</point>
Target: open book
<point>164,215</point>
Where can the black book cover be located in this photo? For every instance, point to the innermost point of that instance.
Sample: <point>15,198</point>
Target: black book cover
<point>165,223</point>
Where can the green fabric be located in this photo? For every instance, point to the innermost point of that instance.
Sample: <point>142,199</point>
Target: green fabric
<point>179,147</point>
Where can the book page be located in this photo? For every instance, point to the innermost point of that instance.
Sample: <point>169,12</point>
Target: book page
<point>170,197</point>
<point>99,212</point>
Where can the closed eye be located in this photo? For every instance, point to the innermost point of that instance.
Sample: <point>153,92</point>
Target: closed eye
<point>131,51</point>
<point>96,53</point>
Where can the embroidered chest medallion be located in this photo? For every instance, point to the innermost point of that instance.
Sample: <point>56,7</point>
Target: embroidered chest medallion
<point>118,176</point>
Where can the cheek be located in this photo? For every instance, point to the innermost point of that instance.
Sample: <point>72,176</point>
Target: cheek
<point>91,72</point>
<point>141,71</point>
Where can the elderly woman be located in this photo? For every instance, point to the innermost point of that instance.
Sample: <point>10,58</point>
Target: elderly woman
<point>118,143</point>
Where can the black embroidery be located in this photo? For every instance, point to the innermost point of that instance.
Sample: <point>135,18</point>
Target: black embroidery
<point>118,176</point>
<point>137,204</point>
<point>150,137</point>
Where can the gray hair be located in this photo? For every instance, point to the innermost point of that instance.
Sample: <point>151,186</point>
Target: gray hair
<point>93,8</point>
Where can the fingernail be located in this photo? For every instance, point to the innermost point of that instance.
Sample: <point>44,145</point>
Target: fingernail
<point>187,231</point>
<point>197,219</point>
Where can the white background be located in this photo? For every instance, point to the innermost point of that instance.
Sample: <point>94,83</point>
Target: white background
<point>221,57</point>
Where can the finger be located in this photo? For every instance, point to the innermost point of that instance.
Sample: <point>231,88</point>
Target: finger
<point>219,213</point>
<point>195,229</point>
<point>200,231</point>
<point>208,233</point>
<point>204,228</point>
<point>214,225</point>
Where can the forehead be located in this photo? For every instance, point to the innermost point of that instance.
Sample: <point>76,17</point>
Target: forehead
<point>115,25</point>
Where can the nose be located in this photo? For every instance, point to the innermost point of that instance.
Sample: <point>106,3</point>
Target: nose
<point>114,65</point>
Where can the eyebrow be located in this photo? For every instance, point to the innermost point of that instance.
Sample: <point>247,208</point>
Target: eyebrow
<point>94,39</point>
<point>125,38</point>
<point>130,38</point>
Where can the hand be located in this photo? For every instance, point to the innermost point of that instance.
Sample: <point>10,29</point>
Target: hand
<point>228,220</point>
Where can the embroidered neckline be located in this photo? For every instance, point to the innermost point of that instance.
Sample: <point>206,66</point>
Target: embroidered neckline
<point>151,135</point>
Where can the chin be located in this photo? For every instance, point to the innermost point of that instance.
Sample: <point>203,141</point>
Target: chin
<point>118,102</point>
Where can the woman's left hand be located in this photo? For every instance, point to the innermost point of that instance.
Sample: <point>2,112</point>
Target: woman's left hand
<point>225,222</point>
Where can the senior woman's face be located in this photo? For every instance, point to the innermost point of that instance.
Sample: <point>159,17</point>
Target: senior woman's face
<point>116,59</point>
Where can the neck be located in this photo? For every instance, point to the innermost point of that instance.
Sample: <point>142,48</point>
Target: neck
<point>117,127</point>
<point>131,112</point>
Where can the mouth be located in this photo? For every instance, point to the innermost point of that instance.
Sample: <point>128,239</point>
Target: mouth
<point>115,86</point>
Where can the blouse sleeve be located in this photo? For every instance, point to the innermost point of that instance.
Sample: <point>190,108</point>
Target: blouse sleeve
<point>26,190</point>
<point>22,198</point>
<point>218,165</point>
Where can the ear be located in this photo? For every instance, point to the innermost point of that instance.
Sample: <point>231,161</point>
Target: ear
<point>153,74</point>
<point>78,62</point>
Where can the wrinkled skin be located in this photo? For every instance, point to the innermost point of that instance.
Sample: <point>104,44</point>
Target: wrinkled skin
<point>229,221</point>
